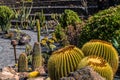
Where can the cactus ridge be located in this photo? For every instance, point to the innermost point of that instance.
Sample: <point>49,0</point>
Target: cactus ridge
<point>102,49</point>
<point>22,63</point>
<point>99,65</point>
<point>97,40</point>
<point>63,61</point>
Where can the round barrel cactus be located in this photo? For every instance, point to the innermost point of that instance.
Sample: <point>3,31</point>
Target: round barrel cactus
<point>99,65</point>
<point>64,61</point>
<point>22,63</point>
<point>102,49</point>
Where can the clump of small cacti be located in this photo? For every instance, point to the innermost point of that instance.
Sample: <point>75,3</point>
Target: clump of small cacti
<point>36,56</point>
<point>63,61</point>
<point>99,65</point>
<point>102,49</point>
<point>22,63</point>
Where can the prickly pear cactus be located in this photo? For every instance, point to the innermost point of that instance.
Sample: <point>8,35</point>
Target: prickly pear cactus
<point>64,61</point>
<point>36,56</point>
<point>99,65</point>
<point>102,49</point>
<point>22,63</point>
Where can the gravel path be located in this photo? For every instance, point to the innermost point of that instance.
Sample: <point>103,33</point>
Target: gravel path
<point>6,49</point>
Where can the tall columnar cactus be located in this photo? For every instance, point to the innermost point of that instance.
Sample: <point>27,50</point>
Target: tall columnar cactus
<point>36,56</point>
<point>22,63</point>
<point>38,30</point>
<point>64,61</point>
<point>102,49</point>
<point>99,65</point>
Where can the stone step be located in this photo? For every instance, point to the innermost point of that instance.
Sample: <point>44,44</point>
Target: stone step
<point>51,3</point>
<point>60,9</point>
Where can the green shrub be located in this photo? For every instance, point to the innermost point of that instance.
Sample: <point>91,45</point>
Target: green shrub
<point>69,17</point>
<point>6,14</point>
<point>104,25</point>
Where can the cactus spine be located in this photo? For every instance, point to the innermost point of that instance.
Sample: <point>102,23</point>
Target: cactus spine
<point>64,61</point>
<point>36,56</point>
<point>22,63</point>
<point>99,65</point>
<point>102,49</point>
<point>38,30</point>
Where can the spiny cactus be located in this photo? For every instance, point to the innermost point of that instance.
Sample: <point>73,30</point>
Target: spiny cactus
<point>36,56</point>
<point>38,30</point>
<point>22,63</point>
<point>99,65</point>
<point>63,61</point>
<point>102,49</point>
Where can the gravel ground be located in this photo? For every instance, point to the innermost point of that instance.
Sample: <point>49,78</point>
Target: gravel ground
<point>7,52</point>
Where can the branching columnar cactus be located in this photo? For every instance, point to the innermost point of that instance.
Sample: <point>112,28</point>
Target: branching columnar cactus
<point>64,61</point>
<point>102,49</point>
<point>36,56</point>
<point>22,63</point>
<point>99,65</point>
<point>38,30</point>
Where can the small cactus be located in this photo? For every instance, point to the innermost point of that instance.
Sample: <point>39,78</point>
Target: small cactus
<point>22,63</point>
<point>99,65</point>
<point>102,49</point>
<point>63,61</point>
<point>38,30</point>
<point>36,56</point>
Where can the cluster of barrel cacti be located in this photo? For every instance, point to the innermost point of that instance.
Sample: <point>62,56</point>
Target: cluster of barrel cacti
<point>102,49</point>
<point>98,54</point>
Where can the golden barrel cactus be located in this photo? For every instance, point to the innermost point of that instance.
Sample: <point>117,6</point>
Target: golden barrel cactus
<point>64,61</point>
<point>102,49</point>
<point>99,65</point>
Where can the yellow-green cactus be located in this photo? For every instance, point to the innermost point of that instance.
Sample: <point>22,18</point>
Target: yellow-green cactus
<point>102,49</point>
<point>38,30</point>
<point>22,63</point>
<point>33,74</point>
<point>99,65</point>
<point>64,61</point>
<point>37,59</point>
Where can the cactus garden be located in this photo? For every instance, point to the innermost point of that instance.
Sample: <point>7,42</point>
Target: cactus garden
<point>59,40</point>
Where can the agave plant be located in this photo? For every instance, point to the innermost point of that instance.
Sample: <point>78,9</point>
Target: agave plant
<point>23,13</point>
